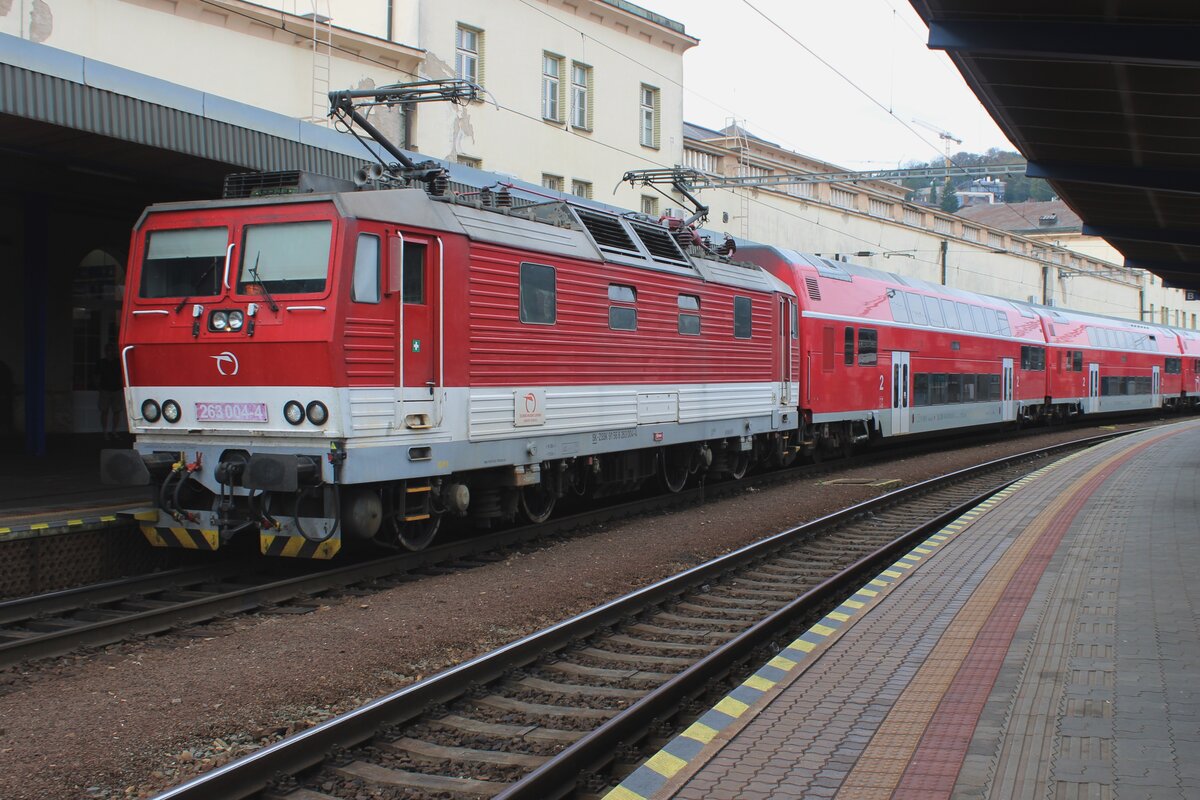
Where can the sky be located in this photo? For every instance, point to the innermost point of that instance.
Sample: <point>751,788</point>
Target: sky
<point>746,68</point>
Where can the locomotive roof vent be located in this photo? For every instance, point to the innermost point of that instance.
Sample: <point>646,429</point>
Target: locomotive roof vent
<point>607,230</point>
<point>659,243</point>
<point>282,182</point>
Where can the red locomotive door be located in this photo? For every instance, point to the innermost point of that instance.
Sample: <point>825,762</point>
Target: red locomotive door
<point>419,347</point>
<point>789,336</point>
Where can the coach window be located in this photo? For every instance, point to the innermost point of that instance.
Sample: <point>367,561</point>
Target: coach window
<point>1002,319</point>
<point>977,318</point>
<point>953,388</point>
<point>538,295</point>
<point>899,309</point>
<point>916,308</point>
<point>741,318</point>
<point>937,389</point>
<point>412,277</point>
<point>689,314</point>
<point>365,288</point>
<point>622,318</point>
<point>849,356</point>
<point>964,317</point>
<point>934,309</point>
<point>868,344</point>
<point>920,389</point>
<point>950,314</point>
<point>1173,366</point>
<point>1077,361</point>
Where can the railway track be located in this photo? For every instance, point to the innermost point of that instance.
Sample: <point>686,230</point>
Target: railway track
<point>60,622</point>
<point>556,713</point>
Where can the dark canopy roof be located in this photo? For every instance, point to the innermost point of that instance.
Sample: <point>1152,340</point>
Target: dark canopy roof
<point>1103,98</point>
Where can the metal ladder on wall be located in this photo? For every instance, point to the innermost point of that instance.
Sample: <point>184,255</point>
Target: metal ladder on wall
<point>737,135</point>
<point>317,12</point>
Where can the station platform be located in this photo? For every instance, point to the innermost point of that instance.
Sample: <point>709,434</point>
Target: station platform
<point>61,492</point>
<point>1046,644</point>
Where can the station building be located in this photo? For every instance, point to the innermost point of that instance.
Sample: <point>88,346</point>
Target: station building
<point>108,106</point>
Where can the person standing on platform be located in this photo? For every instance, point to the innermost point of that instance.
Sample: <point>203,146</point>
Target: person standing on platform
<point>109,397</point>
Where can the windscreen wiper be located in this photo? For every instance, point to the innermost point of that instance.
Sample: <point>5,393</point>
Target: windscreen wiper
<point>257,279</point>
<point>196,285</point>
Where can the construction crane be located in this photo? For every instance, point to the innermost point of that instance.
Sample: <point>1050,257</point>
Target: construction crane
<point>946,136</point>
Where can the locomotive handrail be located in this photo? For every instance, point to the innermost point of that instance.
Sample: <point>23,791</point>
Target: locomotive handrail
<point>152,311</point>
<point>228,254</point>
<point>305,308</point>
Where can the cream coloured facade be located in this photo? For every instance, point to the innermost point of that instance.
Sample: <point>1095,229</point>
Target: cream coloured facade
<point>285,55</point>
<point>872,224</point>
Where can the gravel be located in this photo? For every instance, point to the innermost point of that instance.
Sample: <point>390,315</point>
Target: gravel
<point>136,718</point>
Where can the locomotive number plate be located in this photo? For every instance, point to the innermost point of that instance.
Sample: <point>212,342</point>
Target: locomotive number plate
<point>231,412</point>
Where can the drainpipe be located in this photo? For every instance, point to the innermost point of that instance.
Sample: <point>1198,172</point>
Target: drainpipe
<point>1141,305</point>
<point>945,249</point>
<point>390,29</point>
<point>1045,284</point>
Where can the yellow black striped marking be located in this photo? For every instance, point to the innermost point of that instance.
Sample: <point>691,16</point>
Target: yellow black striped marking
<point>183,538</point>
<point>297,546</point>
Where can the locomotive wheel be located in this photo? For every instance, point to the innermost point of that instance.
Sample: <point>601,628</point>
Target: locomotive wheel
<point>674,467</point>
<point>537,503</point>
<point>418,535</point>
<point>739,463</point>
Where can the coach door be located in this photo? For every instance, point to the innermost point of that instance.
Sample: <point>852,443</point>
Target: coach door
<point>1093,401</point>
<point>420,350</point>
<point>1156,389</point>
<point>1008,409</point>
<point>901,380</point>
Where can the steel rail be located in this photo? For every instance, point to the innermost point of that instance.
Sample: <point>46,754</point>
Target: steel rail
<point>252,772</point>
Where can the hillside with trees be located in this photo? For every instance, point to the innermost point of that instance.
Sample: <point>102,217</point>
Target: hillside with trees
<point>1019,188</point>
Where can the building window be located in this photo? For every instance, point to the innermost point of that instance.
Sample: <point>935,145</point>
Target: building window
<point>742,328</point>
<point>554,182</point>
<point>622,318</point>
<point>470,161</point>
<point>581,189</point>
<point>841,198</point>
<point>552,67</point>
<point>650,205</point>
<point>581,96</point>
<point>538,294</point>
<point>651,108</point>
<point>468,57</point>
<point>689,314</point>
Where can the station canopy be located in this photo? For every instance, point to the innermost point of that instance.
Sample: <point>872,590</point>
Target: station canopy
<point>1103,99</point>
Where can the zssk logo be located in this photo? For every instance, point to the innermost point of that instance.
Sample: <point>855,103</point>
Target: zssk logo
<point>227,363</point>
<point>530,402</point>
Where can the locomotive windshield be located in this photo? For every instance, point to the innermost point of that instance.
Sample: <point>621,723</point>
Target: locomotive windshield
<point>184,263</point>
<point>285,258</point>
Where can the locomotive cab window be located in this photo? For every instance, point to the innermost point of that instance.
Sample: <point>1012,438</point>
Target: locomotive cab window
<point>622,318</point>
<point>538,299</point>
<point>184,263</point>
<point>868,347</point>
<point>741,318</point>
<point>412,273</point>
<point>689,314</point>
<point>285,258</point>
<point>365,287</point>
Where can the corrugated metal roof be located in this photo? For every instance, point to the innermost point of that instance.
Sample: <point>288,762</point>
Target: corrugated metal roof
<point>1101,99</point>
<point>59,88</point>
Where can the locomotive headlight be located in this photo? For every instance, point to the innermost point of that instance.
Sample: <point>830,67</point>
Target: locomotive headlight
<point>150,411</point>
<point>171,411</point>
<point>220,320</point>
<point>317,413</point>
<point>236,320</point>
<point>293,412</point>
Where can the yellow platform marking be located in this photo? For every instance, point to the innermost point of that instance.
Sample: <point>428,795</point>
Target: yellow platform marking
<point>665,764</point>
<point>701,732</point>
<point>783,663</point>
<point>731,706</point>
<point>758,682</point>
<point>839,616</point>
<point>621,793</point>
<point>802,646</point>
<point>821,630</point>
